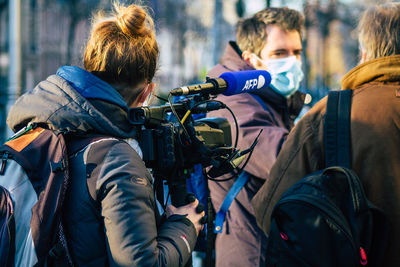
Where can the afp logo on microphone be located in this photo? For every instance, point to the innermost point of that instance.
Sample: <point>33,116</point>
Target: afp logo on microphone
<point>254,83</point>
<point>245,81</point>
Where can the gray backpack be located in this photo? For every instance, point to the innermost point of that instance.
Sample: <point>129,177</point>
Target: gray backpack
<point>34,177</point>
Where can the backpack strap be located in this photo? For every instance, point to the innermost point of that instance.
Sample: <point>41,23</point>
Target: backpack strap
<point>337,129</point>
<point>76,143</point>
<point>232,193</point>
<point>338,153</point>
<point>60,250</point>
<point>7,229</point>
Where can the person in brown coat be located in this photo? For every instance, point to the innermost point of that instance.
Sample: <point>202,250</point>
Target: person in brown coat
<point>375,128</point>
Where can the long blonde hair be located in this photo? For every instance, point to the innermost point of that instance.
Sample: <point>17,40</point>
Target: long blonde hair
<point>122,49</point>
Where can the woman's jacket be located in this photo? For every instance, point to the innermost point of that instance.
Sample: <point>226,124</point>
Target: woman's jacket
<point>110,214</point>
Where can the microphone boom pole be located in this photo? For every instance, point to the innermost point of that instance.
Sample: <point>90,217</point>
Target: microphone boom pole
<point>212,86</point>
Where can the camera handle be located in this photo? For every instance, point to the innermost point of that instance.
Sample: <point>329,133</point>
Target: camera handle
<point>178,191</point>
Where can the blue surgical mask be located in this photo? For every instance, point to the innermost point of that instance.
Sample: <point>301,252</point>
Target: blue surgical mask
<point>286,74</point>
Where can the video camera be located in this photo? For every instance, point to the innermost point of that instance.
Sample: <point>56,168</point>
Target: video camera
<point>172,141</point>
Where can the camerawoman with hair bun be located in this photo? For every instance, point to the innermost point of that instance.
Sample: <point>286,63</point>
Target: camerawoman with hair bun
<point>110,213</point>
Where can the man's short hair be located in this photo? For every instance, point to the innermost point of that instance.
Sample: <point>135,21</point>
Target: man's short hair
<point>251,33</point>
<point>379,30</point>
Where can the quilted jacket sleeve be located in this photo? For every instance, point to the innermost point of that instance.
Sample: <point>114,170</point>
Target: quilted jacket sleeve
<point>128,207</point>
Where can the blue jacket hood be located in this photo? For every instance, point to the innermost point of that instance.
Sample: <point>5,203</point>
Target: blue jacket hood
<point>90,86</point>
<point>73,100</point>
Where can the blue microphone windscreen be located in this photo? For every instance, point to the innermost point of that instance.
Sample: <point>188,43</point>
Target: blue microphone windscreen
<point>245,81</point>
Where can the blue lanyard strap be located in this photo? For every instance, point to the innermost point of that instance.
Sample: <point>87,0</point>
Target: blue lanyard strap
<point>232,193</point>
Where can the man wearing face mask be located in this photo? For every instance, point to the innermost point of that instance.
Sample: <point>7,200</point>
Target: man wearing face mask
<point>269,40</point>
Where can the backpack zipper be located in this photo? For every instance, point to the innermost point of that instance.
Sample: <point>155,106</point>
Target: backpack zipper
<point>27,128</point>
<point>331,212</point>
<point>4,159</point>
<point>353,184</point>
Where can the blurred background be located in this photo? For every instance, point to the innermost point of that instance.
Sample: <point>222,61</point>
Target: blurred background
<point>38,36</point>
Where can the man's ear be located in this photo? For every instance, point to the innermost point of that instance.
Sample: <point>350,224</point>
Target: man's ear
<point>248,57</point>
<point>363,56</point>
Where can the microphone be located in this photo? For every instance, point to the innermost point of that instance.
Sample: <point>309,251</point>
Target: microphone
<point>228,83</point>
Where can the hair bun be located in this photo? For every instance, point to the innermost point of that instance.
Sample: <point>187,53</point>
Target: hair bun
<point>132,20</point>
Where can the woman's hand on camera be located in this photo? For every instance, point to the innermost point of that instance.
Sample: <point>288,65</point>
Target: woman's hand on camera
<point>192,213</point>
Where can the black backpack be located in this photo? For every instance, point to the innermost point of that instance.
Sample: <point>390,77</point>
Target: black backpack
<point>325,219</point>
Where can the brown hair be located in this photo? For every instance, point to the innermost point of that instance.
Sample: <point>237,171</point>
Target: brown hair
<point>122,49</point>
<point>251,33</point>
<point>379,30</point>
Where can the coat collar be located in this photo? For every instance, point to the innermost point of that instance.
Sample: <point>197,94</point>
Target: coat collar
<point>384,69</point>
<point>232,58</point>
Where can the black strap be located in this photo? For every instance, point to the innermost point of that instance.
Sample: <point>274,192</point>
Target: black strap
<point>337,129</point>
<point>76,143</point>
